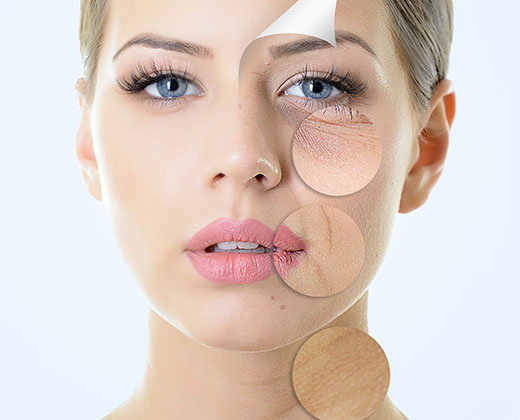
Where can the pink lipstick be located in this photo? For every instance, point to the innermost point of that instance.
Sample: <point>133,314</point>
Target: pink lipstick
<point>243,252</point>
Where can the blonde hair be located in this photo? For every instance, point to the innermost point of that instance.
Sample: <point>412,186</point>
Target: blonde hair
<point>422,31</point>
<point>93,16</point>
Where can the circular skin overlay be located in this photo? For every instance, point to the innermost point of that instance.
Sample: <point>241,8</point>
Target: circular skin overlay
<point>337,153</point>
<point>331,251</point>
<point>341,373</point>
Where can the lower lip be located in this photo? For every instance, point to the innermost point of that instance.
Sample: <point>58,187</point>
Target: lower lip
<point>242,268</point>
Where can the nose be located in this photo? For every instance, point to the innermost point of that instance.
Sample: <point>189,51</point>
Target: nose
<point>245,153</point>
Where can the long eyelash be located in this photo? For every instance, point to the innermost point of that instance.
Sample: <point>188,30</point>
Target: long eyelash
<point>140,78</point>
<point>344,82</point>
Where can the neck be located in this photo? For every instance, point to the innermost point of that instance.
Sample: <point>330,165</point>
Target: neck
<point>200,382</point>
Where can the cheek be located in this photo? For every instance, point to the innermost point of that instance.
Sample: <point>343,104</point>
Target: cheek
<point>382,167</point>
<point>144,165</point>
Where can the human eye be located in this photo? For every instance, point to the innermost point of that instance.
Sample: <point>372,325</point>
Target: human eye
<point>313,89</point>
<point>325,88</point>
<point>161,86</point>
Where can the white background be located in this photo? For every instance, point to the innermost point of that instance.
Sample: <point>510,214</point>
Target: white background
<point>444,306</point>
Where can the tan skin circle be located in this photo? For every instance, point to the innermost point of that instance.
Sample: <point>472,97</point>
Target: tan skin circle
<point>337,151</point>
<point>334,251</point>
<point>341,373</point>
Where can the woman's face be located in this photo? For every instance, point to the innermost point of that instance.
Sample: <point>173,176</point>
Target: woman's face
<point>222,148</point>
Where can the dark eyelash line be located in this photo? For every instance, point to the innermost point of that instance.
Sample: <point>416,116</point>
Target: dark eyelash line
<point>140,78</point>
<point>345,82</point>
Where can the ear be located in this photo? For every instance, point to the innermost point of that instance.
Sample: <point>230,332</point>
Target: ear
<point>433,148</point>
<point>84,146</point>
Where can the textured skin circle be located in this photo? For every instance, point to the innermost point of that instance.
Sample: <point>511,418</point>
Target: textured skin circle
<point>334,251</point>
<point>337,153</point>
<point>341,373</point>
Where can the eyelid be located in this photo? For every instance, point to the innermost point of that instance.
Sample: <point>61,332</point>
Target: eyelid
<point>169,77</point>
<point>295,79</point>
<point>343,81</point>
<point>297,108</point>
<point>166,103</point>
<point>143,77</point>
<point>300,83</point>
<point>349,86</point>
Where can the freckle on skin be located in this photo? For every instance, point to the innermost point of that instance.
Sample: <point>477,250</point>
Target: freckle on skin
<point>282,307</point>
<point>272,297</point>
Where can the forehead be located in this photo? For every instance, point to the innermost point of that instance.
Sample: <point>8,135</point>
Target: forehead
<point>229,26</point>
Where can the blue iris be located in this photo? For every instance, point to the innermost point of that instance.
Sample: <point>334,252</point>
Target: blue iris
<point>316,89</point>
<point>172,88</point>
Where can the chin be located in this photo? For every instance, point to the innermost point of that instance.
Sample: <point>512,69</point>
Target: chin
<point>242,322</point>
<point>248,318</point>
<point>239,340</point>
<point>256,317</point>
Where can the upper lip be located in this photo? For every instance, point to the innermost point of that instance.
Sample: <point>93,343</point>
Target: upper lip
<point>227,230</point>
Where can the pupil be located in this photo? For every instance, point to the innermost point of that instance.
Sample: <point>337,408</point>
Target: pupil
<point>173,85</point>
<point>317,87</point>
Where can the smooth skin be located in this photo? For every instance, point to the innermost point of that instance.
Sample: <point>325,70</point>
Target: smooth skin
<point>225,351</point>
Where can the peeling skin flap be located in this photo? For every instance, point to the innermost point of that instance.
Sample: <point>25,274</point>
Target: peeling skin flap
<point>307,17</point>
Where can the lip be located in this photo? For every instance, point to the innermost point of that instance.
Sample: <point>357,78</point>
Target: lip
<point>244,268</point>
<point>293,249</point>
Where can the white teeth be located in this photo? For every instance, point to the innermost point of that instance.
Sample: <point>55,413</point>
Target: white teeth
<point>247,245</point>
<point>234,245</point>
<point>239,248</point>
<point>227,245</point>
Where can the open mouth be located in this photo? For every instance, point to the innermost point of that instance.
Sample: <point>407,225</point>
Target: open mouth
<point>240,248</point>
<point>227,251</point>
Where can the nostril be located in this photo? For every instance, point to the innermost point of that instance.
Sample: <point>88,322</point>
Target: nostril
<point>260,177</point>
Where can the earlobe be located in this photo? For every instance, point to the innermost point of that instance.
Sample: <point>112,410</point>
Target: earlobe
<point>84,146</point>
<point>433,149</point>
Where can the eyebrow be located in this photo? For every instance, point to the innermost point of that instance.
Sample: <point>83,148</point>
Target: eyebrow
<point>312,44</point>
<point>278,51</point>
<point>169,44</point>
